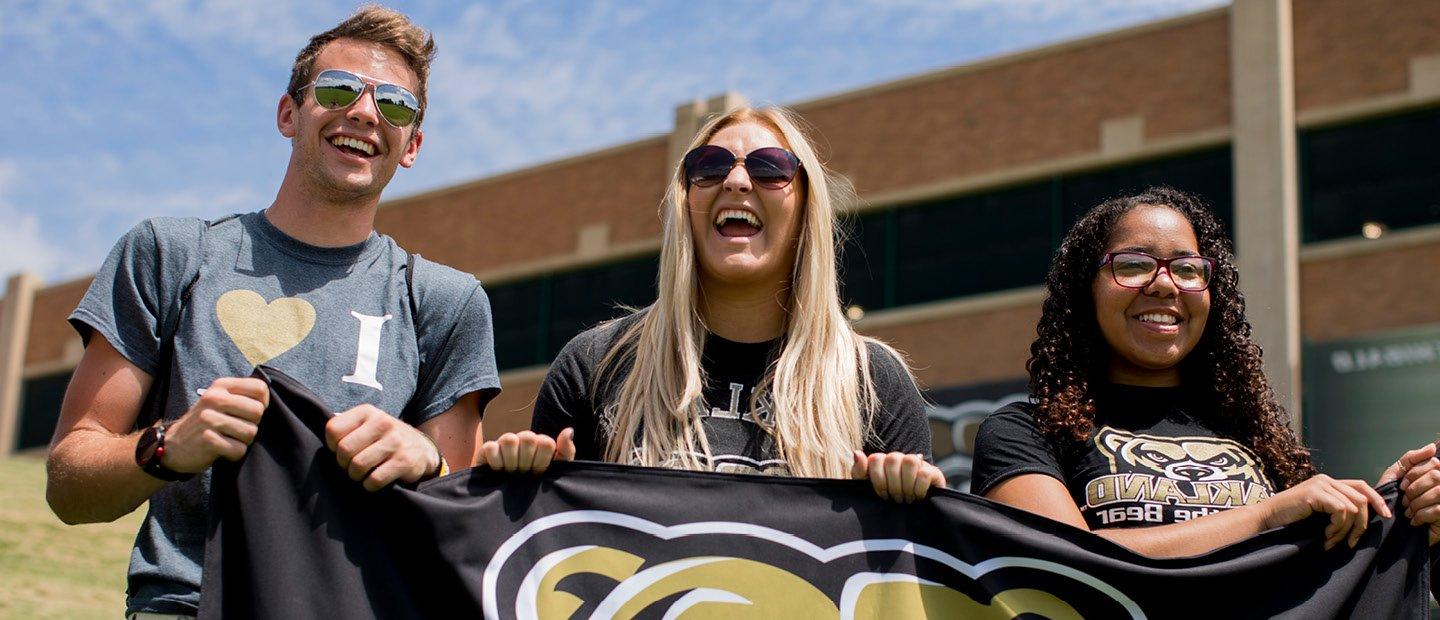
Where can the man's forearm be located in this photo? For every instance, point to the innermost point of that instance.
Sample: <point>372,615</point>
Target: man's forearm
<point>93,477</point>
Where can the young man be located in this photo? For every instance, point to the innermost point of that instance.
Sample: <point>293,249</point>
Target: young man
<point>187,308</point>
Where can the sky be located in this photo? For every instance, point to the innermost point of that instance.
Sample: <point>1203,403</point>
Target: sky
<point>127,109</point>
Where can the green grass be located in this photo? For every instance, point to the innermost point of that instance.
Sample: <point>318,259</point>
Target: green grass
<point>52,570</point>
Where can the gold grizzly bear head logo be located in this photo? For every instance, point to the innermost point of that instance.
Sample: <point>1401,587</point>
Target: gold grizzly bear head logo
<point>1193,459</point>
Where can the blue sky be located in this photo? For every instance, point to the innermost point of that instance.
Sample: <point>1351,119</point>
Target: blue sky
<point>126,109</point>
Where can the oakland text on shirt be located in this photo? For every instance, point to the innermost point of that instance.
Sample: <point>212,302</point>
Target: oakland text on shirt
<point>1186,477</point>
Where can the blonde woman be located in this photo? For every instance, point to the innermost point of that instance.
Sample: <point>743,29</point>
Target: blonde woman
<point>745,362</point>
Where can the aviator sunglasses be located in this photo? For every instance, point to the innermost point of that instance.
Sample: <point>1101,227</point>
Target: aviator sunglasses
<point>771,167</point>
<point>335,89</point>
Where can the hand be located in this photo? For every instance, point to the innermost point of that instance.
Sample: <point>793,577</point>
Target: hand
<point>220,425</point>
<point>902,478</point>
<point>379,449</point>
<point>1346,501</point>
<point>526,452</point>
<point>1421,484</point>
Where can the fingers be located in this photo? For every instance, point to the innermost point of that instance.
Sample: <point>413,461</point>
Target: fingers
<point>894,469</point>
<point>1359,507</point>
<point>224,446</point>
<point>1421,502</point>
<point>526,452</point>
<point>490,455</point>
<point>510,451</point>
<point>363,432</point>
<point>859,466</point>
<point>525,460</point>
<point>909,475</point>
<point>1429,514</point>
<point>565,445</point>
<point>1423,475</point>
<point>225,397</point>
<point>875,466</point>
<point>1409,461</point>
<point>343,424</point>
<point>1371,497</point>
<point>249,387</point>
<point>896,476</point>
<point>1342,514</point>
<point>239,429</point>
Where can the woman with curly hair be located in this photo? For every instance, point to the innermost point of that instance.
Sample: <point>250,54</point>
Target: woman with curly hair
<point>745,362</point>
<point>1150,420</point>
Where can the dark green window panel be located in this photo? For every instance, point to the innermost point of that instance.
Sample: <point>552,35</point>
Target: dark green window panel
<point>862,259</point>
<point>517,310</point>
<point>1207,174</point>
<point>973,244</point>
<point>40,409</point>
<point>1385,171</point>
<point>581,299</point>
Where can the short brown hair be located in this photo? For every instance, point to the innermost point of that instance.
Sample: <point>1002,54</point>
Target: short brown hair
<point>375,24</point>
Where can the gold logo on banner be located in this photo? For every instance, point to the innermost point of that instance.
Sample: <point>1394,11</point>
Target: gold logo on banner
<point>717,588</point>
<point>264,331</point>
<point>704,587</point>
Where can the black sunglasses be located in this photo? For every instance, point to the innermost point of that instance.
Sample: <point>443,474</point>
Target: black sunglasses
<point>771,167</point>
<point>335,89</point>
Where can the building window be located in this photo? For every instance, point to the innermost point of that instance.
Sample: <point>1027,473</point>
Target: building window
<point>1369,177</point>
<point>973,244</point>
<point>1001,239</point>
<point>40,399</point>
<point>1207,174</point>
<point>535,317</point>
<point>581,299</point>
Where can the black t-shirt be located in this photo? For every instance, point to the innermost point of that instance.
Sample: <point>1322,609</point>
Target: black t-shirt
<point>1149,461</point>
<point>738,437</point>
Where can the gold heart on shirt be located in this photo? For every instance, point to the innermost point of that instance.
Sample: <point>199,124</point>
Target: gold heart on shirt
<point>263,331</point>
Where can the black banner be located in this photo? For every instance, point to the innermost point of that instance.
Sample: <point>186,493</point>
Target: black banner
<point>292,537</point>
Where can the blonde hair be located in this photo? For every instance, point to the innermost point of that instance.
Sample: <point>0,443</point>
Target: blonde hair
<point>822,396</point>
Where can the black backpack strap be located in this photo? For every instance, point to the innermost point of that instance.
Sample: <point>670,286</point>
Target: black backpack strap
<point>410,288</point>
<point>153,409</point>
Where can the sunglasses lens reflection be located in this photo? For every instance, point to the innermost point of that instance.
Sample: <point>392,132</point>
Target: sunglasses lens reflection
<point>708,165</point>
<point>397,104</point>
<point>771,167</point>
<point>337,89</point>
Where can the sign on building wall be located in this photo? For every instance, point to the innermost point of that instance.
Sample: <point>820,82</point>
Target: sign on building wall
<point>1368,400</point>
<point>955,414</point>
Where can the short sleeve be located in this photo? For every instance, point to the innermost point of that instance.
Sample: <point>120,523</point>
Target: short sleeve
<point>1009,444</point>
<point>565,400</point>
<point>136,292</point>
<point>456,339</point>
<point>900,423</point>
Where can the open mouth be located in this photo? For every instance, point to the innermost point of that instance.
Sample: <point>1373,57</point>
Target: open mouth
<point>1158,318</point>
<point>353,146</point>
<point>736,223</point>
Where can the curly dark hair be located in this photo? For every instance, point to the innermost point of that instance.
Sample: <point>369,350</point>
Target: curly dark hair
<point>1223,375</point>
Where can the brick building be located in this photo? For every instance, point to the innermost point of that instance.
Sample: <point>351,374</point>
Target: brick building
<point>1310,126</point>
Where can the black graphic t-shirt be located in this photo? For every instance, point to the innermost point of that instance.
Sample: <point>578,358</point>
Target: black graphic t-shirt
<point>1149,461</point>
<point>737,432</point>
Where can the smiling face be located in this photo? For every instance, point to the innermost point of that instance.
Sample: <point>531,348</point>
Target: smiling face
<point>1150,330</point>
<point>745,235</point>
<point>352,152</point>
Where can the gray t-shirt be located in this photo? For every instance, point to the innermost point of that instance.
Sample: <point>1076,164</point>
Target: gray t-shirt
<point>337,319</point>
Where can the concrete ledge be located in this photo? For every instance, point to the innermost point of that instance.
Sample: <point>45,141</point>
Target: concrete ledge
<point>949,308</point>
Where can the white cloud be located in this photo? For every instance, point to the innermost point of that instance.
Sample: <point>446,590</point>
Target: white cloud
<point>27,248</point>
